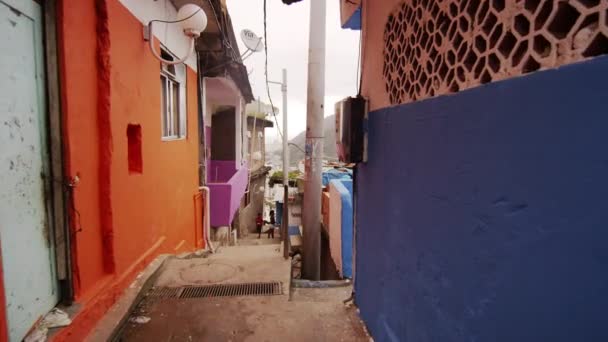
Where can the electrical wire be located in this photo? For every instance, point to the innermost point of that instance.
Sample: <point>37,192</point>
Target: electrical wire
<point>175,21</point>
<point>219,66</point>
<point>296,146</point>
<point>274,114</point>
<point>169,22</point>
<point>219,26</point>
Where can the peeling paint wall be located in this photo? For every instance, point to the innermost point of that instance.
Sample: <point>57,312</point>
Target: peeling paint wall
<point>248,214</point>
<point>28,270</point>
<point>481,216</point>
<point>153,211</point>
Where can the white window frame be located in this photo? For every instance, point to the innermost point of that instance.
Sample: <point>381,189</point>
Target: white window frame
<point>173,112</point>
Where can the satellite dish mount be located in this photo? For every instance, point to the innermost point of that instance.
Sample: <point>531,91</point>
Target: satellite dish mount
<point>252,42</point>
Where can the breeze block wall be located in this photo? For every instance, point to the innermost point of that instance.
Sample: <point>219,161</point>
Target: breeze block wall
<point>482,216</point>
<point>431,48</point>
<point>438,47</point>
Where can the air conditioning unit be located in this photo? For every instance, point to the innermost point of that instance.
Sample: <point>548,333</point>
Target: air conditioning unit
<point>350,135</point>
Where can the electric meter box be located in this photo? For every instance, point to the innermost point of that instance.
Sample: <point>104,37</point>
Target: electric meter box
<point>350,135</point>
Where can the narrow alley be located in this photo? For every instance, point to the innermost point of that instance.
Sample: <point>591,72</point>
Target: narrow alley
<point>303,170</point>
<point>167,313</point>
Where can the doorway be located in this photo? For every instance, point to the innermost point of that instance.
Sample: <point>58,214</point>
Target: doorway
<point>223,134</point>
<point>26,237</point>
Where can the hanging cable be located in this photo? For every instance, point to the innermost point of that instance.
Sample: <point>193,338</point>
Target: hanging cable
<point>225,40</point>
<point>274,114</point>
<point>175,21</point>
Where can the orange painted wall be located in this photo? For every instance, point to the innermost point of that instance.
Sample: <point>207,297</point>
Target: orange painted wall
<point>79,96</point>
<point>150,213</point>
<point>159,202</point>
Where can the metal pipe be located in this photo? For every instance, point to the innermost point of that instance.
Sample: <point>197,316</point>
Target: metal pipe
<point>285,135</point>
<point>207,219</point>
<point>285,168</point>
<point>311,256</point>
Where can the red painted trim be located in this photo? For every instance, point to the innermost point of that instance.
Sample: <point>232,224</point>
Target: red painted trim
<point>104,111</point>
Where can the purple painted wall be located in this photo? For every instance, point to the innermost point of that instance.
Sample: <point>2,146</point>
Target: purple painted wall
<point>220,171</point>
<point>227,185</point>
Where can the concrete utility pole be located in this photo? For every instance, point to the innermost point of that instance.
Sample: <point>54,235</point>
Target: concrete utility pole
<point>285,138</point>
<point>311,211</point>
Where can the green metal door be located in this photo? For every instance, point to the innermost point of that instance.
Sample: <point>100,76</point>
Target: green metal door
<point>27,252</point>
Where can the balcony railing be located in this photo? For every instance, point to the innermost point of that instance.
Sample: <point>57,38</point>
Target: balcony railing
<point>227,183</point>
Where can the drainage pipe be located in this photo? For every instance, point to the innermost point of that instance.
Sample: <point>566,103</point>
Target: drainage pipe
<point>207,219</point>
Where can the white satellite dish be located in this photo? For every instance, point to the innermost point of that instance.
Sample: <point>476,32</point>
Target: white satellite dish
<point>252,41</point>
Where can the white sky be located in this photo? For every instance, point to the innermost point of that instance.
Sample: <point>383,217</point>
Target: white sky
<point>288,48</point>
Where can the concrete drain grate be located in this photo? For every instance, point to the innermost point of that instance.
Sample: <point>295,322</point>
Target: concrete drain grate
<point>218,290</point>
<point>164,292</point>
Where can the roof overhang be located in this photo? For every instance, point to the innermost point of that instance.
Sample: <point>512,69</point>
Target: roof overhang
<point>267,123</point>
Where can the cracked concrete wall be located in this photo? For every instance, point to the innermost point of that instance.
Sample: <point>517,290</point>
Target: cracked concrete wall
<point>248,214</point>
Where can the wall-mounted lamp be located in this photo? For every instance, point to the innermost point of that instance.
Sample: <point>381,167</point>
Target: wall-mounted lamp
<point>193,21</point>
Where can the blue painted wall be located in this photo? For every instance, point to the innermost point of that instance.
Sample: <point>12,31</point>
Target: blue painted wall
<point>345,188</point>
<point>483,216</point>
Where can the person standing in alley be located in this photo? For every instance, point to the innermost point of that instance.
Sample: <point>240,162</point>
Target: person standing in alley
<point>272,224</point>
<point>259,222</point>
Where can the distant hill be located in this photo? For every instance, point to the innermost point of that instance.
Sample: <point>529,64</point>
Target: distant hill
<point>329,146</point>
<point>274,150</point>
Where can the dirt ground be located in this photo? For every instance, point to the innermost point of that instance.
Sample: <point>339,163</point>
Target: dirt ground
<point>310,315</point>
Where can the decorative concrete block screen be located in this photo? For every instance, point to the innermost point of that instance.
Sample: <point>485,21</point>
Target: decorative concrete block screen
<point>436,47</point>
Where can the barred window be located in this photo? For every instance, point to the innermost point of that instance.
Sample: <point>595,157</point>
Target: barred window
<point>173,99</point>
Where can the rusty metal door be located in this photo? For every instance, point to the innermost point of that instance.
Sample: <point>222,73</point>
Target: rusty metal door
<point>27,251</point>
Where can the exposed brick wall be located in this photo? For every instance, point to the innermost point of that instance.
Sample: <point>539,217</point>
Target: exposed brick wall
<point>439,47</point>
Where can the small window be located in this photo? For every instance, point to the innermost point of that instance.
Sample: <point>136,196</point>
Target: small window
<point>173,99</point>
